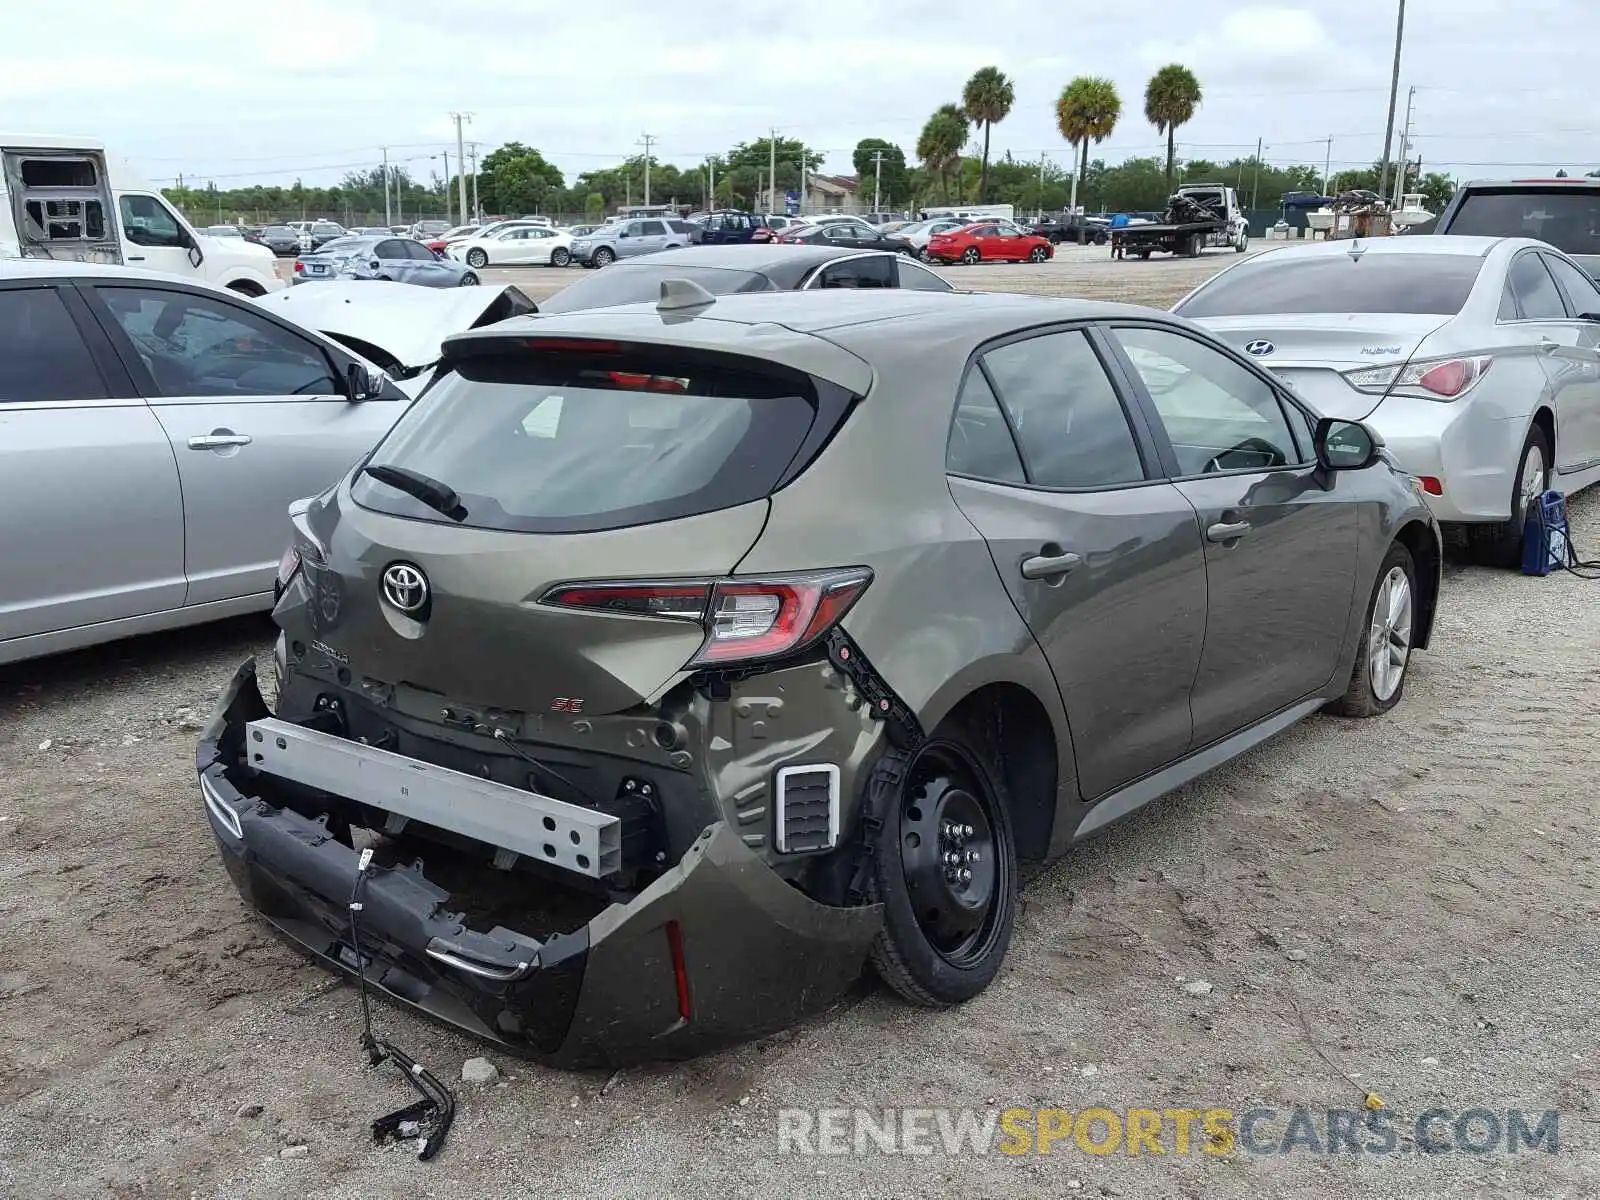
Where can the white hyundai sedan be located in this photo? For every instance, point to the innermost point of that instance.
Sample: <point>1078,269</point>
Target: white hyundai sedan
<point>1476,358</point>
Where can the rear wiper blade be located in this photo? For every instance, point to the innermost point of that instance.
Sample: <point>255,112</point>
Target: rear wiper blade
<point>438,496</point>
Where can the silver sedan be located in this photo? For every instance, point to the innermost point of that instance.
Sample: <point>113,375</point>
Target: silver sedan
<point>1477,359</point>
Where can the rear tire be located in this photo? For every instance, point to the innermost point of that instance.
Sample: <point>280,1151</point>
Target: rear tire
<point>1377,681</point>
<point>1501,545</point>
<point>944,938</point>
<point>1195,244</point>
<point>970,256</point>
<point>477,258</point>
<point>560,256</point>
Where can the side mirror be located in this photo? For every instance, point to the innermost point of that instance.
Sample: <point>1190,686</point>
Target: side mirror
<point>195,256</point>
<point>1589,316</point>
<point>622,233</point>
<point>374,264</point>
<point>362,383</point>
<point>1345,445</point>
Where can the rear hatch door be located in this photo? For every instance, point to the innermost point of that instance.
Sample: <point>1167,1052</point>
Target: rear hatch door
<point>561,467</point>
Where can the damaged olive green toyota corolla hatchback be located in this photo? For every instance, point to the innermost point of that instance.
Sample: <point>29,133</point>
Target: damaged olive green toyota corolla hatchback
<point>674,660</point>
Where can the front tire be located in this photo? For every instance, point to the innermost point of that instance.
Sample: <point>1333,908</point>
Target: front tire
<point>1038,254</point>
<point>468,280</point>
<point>603,257</point>
<point>1383,656</point>
<point>949,896</point>
<point>1501,545</point>
<point>477,258</point>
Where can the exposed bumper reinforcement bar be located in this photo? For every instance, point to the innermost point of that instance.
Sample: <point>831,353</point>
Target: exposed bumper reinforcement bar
<point>552,831</point>
<point>716,951</point>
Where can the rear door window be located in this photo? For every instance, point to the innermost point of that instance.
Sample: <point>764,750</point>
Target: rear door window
<point>876,271</point>
<point>570,441</point>
<point>42,354</point>
<point>1069,421</point>
<point>1536,293</point>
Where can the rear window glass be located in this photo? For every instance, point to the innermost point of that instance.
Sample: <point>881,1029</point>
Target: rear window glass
<point>565,442</point>
<point>628,283</point>
<point>1336,283</point>
<point>1566,217</point>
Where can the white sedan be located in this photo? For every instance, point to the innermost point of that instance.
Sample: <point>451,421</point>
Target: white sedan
<point>515,246</point>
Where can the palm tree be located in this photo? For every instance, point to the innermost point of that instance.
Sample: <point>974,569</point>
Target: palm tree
<point>1170,99</point>
<point>1087,110</point>
<point>939,146</point>
<point>987,98</point>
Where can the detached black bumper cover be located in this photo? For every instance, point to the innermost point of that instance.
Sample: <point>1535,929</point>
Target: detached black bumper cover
<point>757,954</point>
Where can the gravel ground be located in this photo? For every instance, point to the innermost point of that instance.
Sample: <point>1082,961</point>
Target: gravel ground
<point>1405,905</point>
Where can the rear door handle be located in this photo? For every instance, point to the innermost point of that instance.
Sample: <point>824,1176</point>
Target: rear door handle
<point>1227,531</point>
<point>219,441</point>
<point>135,258</point>
<point>1046,566</point>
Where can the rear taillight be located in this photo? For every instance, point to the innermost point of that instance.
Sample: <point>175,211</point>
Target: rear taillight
<point>1431,379</point>
<point>298,265</point>
<point>288,566</point>
<point>744,620</point>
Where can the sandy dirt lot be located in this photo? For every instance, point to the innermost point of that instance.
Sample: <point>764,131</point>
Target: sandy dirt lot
<point>1406,906</point>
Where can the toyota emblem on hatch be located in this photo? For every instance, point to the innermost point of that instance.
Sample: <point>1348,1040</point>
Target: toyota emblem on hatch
<point>406,587</point>
<point>1260,347</point>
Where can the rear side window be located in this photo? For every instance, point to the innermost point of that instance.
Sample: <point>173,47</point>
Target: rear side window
<point>1580,289</point>
<point>1071,425</point>
<point>1535,291</point>
<point>42,355</point>
<point>1565,215</point>
<point>980,444</point>
<point>568,441</point>
<point>1381,282</point>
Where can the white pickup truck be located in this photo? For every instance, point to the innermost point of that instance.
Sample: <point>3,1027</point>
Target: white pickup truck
<point>68,199</point>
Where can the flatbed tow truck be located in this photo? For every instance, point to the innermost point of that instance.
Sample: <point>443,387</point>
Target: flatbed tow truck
<point>1197,216</point>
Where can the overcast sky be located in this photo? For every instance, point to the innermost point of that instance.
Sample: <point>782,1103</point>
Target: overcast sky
<point>310,88</point>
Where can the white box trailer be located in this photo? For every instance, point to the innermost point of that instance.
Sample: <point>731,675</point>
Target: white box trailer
<point>66,198</point>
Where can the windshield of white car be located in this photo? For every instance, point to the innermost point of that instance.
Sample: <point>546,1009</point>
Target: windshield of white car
<point>1433,284</point>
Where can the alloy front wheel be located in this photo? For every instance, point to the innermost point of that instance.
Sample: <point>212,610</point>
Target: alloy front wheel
<point>1383,657</point>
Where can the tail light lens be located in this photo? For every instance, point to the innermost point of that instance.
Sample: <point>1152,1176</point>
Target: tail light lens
<point>744,620</point>
<point>1430,378</point>
<point>288,565</point>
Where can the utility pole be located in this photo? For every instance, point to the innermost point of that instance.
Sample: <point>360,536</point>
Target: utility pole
<point>386,209</point>
<point>1394,94</point>
<point>447,183</point>
<point>1405,149</point>
<point>647,141</point>
<point>1255,183</point>
<point>1038,210</point>
<point>711,184</point>
<point>1327,166</point>
<point>877,179</point>
<point>800,196</point>
<point>461,159</point>
<point>772,169</point>
<point>473,151</point>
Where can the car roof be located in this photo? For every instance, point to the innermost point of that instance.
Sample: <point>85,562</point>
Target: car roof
<point>793,328</point>
<point>761,257</point>
<point>61,268</point>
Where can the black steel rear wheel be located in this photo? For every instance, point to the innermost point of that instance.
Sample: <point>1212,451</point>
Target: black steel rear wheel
<point>946,873</point>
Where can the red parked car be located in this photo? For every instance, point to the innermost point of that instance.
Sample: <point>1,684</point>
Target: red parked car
<point>988,243</point>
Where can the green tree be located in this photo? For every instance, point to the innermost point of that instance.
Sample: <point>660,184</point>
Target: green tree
<point>891,179</point>
<point>1170,100</point>
<point>986,99</point>
<point>594,205</point>
<point>939,145</point>
<point>1086,111</point>
<point>516,179</point>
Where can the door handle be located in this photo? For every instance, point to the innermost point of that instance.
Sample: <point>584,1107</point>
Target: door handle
<point>1227,531</point>
<point>219,441</point>
<point>1549,347</point>
<point>135,258</point>
<point>1045,566</point>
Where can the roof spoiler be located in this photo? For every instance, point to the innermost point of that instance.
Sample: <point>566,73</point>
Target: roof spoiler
<point>682,293</point>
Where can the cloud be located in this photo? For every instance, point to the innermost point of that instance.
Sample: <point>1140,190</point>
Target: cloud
<point>310,87</point>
